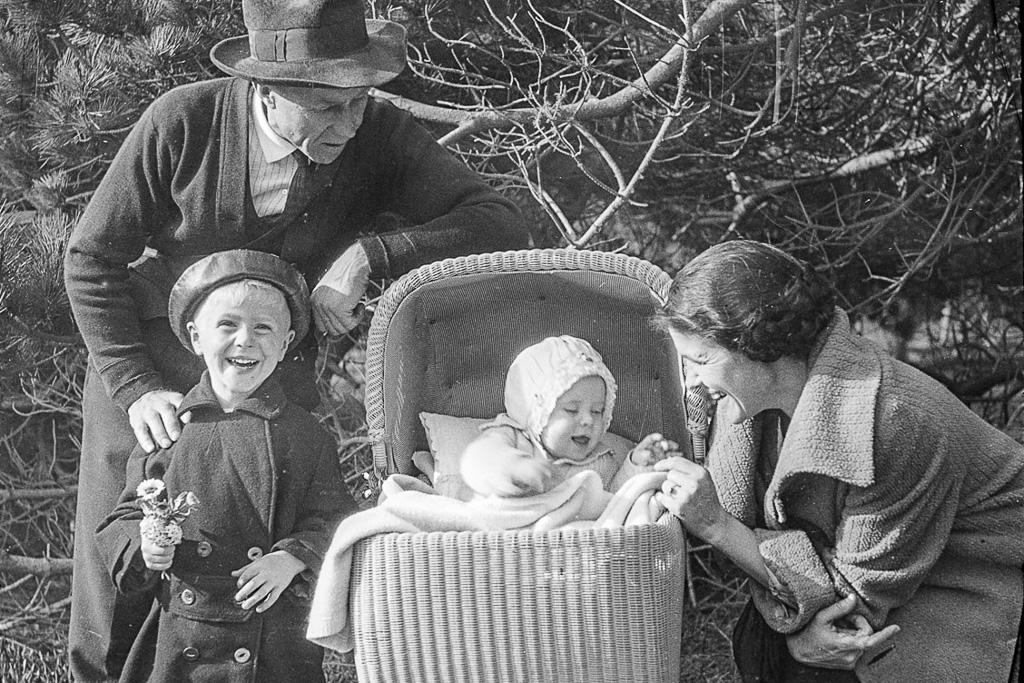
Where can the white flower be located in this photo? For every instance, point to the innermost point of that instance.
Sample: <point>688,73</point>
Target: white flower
<point>164,534</point>
<point>150,489</point>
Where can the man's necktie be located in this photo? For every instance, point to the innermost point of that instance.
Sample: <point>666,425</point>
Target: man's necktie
<point>301,185</point>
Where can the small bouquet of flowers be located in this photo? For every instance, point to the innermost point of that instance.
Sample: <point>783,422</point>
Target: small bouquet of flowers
<point>161,518</point>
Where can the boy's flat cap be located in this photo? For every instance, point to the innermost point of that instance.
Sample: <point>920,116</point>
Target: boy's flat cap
<point>225,267</point>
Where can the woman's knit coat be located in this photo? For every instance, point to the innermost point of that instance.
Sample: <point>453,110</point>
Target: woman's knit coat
<point>922,503</point>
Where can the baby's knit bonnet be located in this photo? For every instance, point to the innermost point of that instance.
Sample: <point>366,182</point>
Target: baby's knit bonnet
<point>543,372</point>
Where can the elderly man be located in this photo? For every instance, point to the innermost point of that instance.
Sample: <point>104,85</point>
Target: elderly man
<point>290,156</point>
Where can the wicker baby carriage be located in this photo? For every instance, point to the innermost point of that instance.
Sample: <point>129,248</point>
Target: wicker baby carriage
<point>565,605</point>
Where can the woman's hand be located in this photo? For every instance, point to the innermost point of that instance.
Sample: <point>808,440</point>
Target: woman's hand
<point>689,493</point>
<point>261,582</point>
<point>836,638</point>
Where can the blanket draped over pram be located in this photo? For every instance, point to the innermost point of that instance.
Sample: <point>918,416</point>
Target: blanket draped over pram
<point>408,505</point>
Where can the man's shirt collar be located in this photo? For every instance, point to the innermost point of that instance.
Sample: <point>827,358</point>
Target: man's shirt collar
<point>274,146</point>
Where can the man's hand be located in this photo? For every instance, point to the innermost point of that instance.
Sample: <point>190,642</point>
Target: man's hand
<point>836,638</point>
<point>261,582</point>
<point>157,558</point>
<point>154,419</point>
<point>336,299</point>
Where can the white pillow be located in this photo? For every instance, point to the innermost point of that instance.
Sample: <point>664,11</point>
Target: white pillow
<point>448,437</point>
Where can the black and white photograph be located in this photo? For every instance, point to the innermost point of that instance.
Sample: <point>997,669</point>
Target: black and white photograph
<point>511,341</point>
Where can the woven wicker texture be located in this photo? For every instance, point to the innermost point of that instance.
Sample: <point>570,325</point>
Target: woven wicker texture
<point>472,607</point>
<point>597,605</point>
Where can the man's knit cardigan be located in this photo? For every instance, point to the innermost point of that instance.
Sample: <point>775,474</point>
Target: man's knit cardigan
<point>921,500</point>
<point>179,185</point>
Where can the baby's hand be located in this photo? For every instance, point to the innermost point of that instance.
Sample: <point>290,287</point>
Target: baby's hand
<point>158,558</point>
<point>508,474</point>
<point>653,448</point>
<point>528,475</point>
<point>261,582</point>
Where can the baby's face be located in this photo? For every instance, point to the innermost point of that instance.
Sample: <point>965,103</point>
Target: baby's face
<point>242,332</point>
<point>576,424</point>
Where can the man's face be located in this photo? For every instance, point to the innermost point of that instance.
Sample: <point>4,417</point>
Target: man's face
<point>319,121</point>
<point>242,332</point>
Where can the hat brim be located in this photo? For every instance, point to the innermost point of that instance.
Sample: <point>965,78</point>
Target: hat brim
<point>380,61</point>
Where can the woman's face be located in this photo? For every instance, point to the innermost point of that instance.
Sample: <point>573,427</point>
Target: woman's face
<point>740,387</point>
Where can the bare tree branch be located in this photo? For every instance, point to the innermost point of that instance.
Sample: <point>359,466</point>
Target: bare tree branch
<point>855,165</point>
<point>665,68</point>
<point>38,494</point>
<point>37,566</point>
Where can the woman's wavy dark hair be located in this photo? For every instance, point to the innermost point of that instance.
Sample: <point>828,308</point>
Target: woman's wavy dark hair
<point>752,298</point>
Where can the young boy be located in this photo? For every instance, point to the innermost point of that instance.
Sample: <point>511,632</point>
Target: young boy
<point>559,397</point>
<point>231,599</point>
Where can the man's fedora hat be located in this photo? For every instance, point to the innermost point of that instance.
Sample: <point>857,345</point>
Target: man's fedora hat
<point>313,42</point>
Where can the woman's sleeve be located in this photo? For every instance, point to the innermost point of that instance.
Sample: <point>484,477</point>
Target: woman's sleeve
<point>889,536</point>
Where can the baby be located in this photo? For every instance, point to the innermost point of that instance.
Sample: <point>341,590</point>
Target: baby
<point>559,397</point>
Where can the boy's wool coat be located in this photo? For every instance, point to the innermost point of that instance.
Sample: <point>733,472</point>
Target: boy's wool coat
<point>267,478</point>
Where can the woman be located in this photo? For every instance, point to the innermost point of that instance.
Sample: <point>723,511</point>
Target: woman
<point>838,472</point>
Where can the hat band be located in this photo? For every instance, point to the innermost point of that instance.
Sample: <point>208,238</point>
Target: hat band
<point>307,44</point>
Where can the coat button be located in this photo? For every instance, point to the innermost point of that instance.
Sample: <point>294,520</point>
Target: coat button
<point>203,549</point>
<point>190,653</point>
<point>187,596</point>
<point>255,553</point>
<point>242,655</point>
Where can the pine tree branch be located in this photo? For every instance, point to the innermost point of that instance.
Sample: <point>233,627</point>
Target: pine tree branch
<point>55,339</point>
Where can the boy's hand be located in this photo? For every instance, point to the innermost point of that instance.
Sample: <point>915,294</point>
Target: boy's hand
<point>156,557</point>
<point>653,448</point>
<point>261,582</point>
